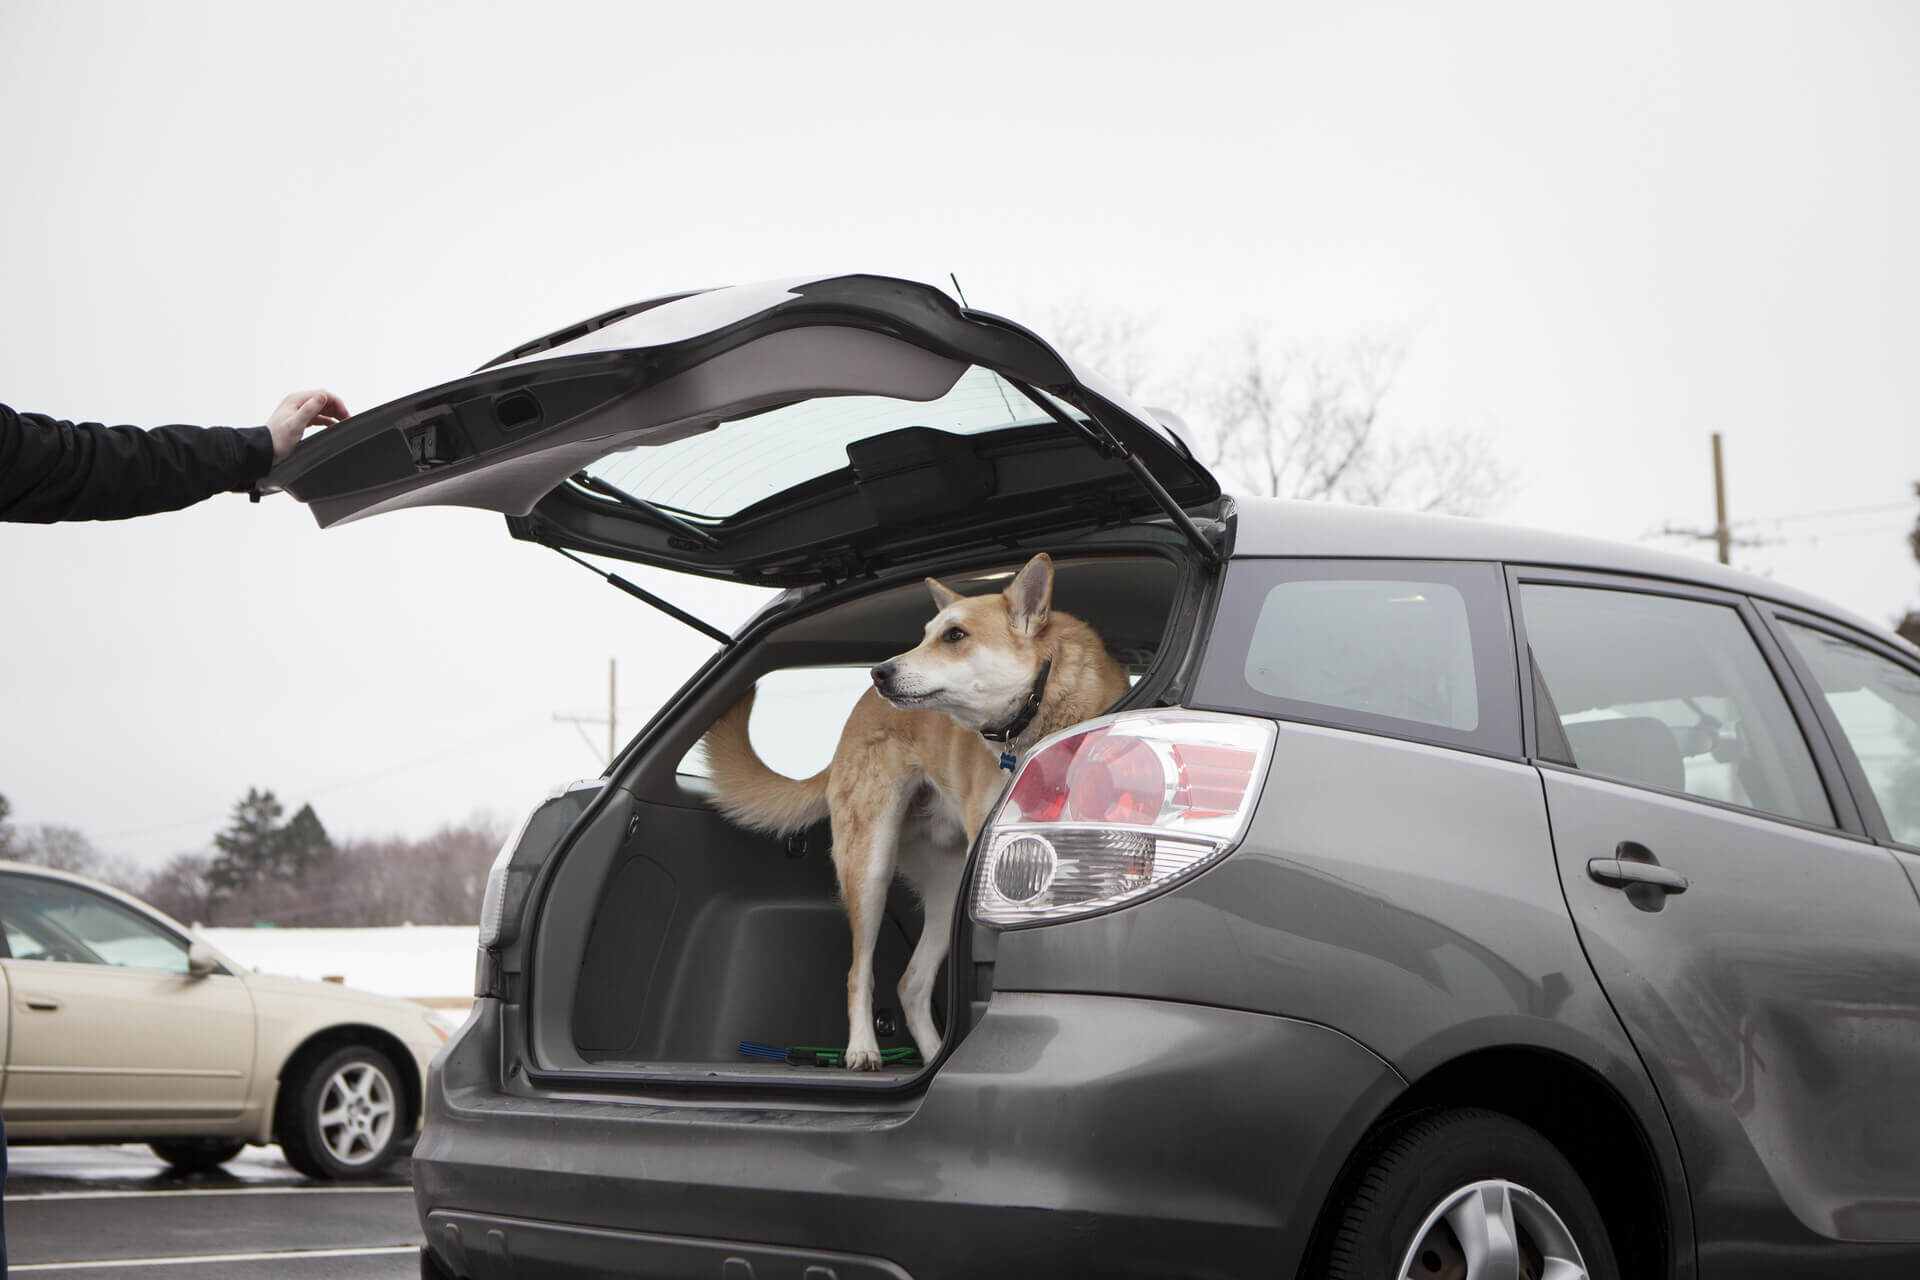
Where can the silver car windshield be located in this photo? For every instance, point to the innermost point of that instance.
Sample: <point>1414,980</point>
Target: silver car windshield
<point>719,473</point>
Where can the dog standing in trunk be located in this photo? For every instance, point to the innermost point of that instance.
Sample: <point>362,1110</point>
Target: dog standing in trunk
<point>921,754</point>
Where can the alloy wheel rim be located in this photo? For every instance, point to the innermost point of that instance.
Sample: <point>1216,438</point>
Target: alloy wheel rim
<point>1493,1230</point>
<point>357,1113</point>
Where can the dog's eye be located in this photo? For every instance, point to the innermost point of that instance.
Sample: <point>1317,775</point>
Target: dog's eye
<point>954,635</point>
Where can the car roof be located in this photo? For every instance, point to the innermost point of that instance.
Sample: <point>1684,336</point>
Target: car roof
<point>1285,527</point>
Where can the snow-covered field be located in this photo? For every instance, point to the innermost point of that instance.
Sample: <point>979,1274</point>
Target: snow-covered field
<point>431,962</point>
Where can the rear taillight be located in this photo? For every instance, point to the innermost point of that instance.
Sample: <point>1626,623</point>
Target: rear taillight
<point>1116,810</point>
<point>512,871</point>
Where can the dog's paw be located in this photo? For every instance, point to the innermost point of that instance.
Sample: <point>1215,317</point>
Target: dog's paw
<point>863,1059</point>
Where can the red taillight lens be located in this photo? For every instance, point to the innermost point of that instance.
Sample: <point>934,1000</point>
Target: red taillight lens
<point>1123,808</point>
<point>1126,775</point>
<point>1116,780</point>
<point>1040,793</point>
<point>1213,780</point>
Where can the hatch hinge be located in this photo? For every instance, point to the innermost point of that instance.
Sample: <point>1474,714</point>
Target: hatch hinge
<point>641,593</point>
<point>1109,445</point>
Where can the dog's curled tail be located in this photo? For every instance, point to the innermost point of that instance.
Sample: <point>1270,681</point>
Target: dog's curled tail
<point>747,791</point>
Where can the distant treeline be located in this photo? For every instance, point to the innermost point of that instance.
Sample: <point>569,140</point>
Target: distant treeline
<point>262,870</point>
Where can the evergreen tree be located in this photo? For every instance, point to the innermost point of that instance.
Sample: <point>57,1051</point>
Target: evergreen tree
<point>246,846</point>
<point>299,844</point>
<point>257,847</point>
<point>1908,626</point>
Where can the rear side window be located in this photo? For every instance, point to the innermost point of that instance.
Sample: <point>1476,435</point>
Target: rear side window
<point>1668,693</point>
<point>797,714</point>
<point>1877,704</point>
<point>1416,649</point>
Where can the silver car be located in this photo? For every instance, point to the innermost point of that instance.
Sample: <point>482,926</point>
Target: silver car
<point>1443,900</point>
<point>120,1025</point>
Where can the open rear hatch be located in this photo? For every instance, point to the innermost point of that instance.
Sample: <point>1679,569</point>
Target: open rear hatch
<point>792,434</point>
<point>779,434</point>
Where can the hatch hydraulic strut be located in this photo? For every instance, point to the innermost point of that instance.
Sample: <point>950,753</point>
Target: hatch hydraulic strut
<point>1111,446</point>
<point>641,593</point>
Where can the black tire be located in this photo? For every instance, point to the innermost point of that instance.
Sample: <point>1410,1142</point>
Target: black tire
<point>197,1155</point>
<point>345,1117</point>
<point>1432,1162</point>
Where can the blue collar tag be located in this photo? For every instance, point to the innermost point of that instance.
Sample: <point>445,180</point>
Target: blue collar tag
<point>1007,761</point>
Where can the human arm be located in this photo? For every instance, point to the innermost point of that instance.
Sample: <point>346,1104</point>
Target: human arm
<point>56,470</point>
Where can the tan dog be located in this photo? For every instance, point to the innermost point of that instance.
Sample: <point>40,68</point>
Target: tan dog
<point>915,757</point>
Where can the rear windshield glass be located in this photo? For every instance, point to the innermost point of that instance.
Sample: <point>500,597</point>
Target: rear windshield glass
<point>720,473</point>
<point>1415,649</point>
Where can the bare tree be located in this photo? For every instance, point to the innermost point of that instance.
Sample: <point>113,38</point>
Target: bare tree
<point>183,888</point>
<point>1296,423</point>
<point>68,849</point>
<point>367,883</point>
<point>1112,343</point>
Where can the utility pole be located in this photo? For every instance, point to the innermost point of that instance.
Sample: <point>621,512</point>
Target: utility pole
<point>1721,535</point>
<point>612,719</point>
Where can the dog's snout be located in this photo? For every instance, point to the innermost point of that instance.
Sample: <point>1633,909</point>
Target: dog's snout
<point>881,674</point>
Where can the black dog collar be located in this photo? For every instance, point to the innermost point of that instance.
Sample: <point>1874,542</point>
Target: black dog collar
<point>1031,708</point>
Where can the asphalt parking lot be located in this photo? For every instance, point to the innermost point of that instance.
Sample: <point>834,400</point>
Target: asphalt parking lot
<point>114,1213</point>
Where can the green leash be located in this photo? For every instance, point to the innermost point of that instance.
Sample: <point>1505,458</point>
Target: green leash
<point>813,1055</point>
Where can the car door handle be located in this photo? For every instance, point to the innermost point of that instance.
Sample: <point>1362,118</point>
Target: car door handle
<point>42,1004</point>
<point>1624,873</point>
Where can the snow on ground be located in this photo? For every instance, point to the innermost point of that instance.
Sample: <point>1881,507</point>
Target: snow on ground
<point>420,962</point>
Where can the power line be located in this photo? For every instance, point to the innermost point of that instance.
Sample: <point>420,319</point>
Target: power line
<point>1722,533</point>
<point>1833,513</point>
<point>611,719</point>
<point>1872,531</point>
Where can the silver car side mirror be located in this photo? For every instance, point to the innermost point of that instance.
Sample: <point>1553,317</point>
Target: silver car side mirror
<point>201,961</point>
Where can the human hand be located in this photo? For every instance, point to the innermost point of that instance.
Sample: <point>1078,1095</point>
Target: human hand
<point>296,413</point>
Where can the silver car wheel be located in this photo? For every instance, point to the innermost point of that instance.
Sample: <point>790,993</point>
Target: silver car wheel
<point>1494,1230</point>
<point>357,1113</point>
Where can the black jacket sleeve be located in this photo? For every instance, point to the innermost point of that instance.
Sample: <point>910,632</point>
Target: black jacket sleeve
<point>52,470</point>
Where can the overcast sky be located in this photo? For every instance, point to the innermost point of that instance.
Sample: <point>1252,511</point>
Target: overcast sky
<point>1604,234</point>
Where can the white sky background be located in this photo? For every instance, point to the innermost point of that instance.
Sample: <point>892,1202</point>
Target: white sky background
<point>1605,234</point>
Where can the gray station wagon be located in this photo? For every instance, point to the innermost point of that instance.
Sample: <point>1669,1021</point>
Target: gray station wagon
<point>1446,900</point>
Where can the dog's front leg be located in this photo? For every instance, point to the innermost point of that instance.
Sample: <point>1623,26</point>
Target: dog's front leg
<point>866,834</point>
<point>936,873</point>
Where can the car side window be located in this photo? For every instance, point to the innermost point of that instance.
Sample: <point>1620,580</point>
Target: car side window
<point>1877,704</point>
<point>1409,648</point>
<point>1383,646</point>
<point>1668,693</point>
<point>66,924</point>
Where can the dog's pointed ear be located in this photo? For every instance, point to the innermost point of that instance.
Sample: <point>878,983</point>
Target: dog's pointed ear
<point>943,595</point>
<point>1030,596</point>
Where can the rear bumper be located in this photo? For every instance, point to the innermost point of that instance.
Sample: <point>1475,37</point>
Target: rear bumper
<point>1068,1135</point>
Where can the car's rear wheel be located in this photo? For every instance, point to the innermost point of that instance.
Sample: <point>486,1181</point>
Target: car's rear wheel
<point>346,1116</point>
<point>197,1155</point>
<point>1469,1195</point>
